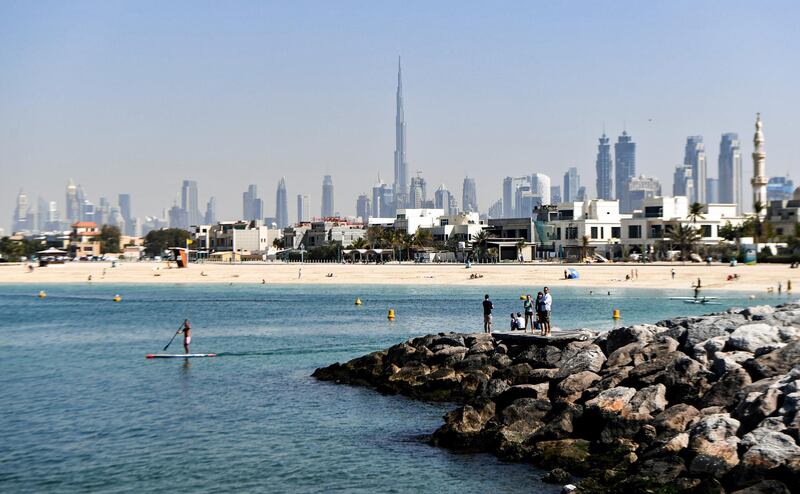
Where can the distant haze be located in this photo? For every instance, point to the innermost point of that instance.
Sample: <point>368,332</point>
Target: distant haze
<point>134,97</point>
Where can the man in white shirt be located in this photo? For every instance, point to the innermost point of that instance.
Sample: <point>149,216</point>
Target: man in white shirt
<point>548,304</point>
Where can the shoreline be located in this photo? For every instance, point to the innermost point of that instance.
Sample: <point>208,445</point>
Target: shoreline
<point>754,279</point>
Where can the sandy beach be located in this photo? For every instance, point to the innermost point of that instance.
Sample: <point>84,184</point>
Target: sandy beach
<point>758,278</point>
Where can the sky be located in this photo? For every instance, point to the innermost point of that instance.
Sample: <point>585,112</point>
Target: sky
<point>134,97</point>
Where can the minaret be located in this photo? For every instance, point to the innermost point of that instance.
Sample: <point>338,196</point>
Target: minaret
<point>759,180</point>
<point>400,164</point>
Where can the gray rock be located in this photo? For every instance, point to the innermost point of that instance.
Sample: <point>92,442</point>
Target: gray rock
<point>590,358</point>
<point>715,344</point>
<point>573,386</point>
<point>775,363</point>
<point>758,311</point>
<point>650,400</point>
<point>471,339</point>
<point>501,360</point>
<point>723,392</point>
<point>791,404</point>
<point>640,333</point>
<point>539,357</point>
<point>767,449</point>
<point>765,487</point>
<point>676,417</point>
<point>623,355</point>
<point>481,347</point>
<point>557,476</point>
<point>714,442</point>
<point>612,401</point>
<point>451,339</point>
<point>751,337</point>
<point>496,387</point>
<point>519,391</point>
<point>788,333</point>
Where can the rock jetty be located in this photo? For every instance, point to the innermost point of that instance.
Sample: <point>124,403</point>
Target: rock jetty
<point>693,404</point>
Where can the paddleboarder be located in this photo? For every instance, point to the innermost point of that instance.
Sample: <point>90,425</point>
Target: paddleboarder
<point>186,329</point>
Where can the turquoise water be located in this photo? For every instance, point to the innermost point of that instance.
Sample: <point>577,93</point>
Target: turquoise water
<point>84,411</point>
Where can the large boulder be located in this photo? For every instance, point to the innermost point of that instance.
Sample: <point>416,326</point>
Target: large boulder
<point>776,362</point>
<point>714,442</point>
<point>611,401</point>
<point>723,392</point>
<point>650,400</point>
<point>676,417</point>
<point>756,406</point>
<point>767,449</point>
<point>590,358</point>
<point>639,333</point>
<point>463,428</point>
<point>540,357</point>
<point>518,391</point>
<point>765,487</point>
<point>751,337</point>
<point>518,422</point>
<point>573,386</point>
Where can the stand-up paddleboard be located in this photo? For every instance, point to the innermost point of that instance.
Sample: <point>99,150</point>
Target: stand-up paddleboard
<point>180,355</point>
<point>693,298</point>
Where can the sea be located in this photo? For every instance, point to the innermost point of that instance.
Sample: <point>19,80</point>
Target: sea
<point>84,411</point>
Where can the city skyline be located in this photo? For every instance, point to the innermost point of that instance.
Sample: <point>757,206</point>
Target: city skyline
<point>56,125</point>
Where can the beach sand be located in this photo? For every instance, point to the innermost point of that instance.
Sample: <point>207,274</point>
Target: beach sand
<point>755,279</point>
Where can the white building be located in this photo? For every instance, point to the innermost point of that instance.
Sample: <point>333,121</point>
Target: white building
<point>597,219</point>
<point>410,220</point>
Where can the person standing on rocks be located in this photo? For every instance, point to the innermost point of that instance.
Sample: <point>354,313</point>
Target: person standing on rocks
<point>547,300</point>
<point>528,306</point>
<point>487,314</point>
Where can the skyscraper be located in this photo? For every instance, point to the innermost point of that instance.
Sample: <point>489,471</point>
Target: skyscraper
<point>189,202</point>
<point>730,170</point>
<point>418,193</point>
<point>124,202</point>
<point>400,163</point>
<point>211,211</point>
<point>327,197</point>
<point>605,182</point>
<point>469,196</point>
<point>20,221</point>
<point>510,186</point>
<point>759,180</point>
<point>625,166</point>
<point>572,182</point>
<point>382,200</point>
<point>780,189</point>
<point>281,205</point>
<point>41,215</point>
<point>73,206</point>
<point>102,211</point>
<point>555,194</point>
<point>712,190</point>
<point>442,199</point>
<point>540,187</point>
<point>695,156</point>
<point>683,182</point>
<point>252,206</point>
<point>639,189</point>
<point>303,208</point>
<point>363,208</point>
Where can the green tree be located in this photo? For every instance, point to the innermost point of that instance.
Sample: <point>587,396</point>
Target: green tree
<point>685,237</point>
<point>695,211</point>
<point>584,246</point>
<point>157,241</point>
<point>480,243</point>
<point>109,239</point>
<point>360,243</point>
<point>422,238</point>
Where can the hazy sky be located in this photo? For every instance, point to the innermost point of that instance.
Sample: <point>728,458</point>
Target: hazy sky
<point>136,96</point>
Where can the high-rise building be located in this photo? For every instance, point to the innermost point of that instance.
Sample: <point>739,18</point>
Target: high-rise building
<point>497,209</point>
<point>41,215</point>
<point>639,189</point>
<point>178,218</point>
<point>303,208</point>
<point>282,205</point>
<point>102,211</point>
<point>555,194</point>
<point>327,197</point>
<point>469,196</point>
<point>88,211</point>
<point>712,190</point>
<point>444,200</point>
<point>400,163</point>
<point>582,194</point>
<point>363,208</point>
<point>683,182</point>
<point>20,221</point>
<point>605,182</point>
<point>572,182</point>
<point>780,189</point>
<point>759,180</point>
<point>417,193</point>
<point>73,206</point>
<point>730,170</point>
<point>510,186</point>
<point>124,203</point>
<point>211,211</point>
<point>53,218</point>
<point>189,202</point>
<point>695,157</point>
<point>383,204</point>
<point>540,187</point>
<point>625,166</point>
<point>252,206</point>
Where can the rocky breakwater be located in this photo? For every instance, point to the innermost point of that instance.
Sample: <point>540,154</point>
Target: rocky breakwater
<point>692,404</point>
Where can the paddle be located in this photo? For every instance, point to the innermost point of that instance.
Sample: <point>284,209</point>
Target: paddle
<point>173,337</point>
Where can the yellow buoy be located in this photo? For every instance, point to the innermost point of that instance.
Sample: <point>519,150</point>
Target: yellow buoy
<point>615,315</point>
<point>358,301</point>
<point>42,294</point>
<point>117,298</point>
<point>522,297</point>
<point>391,315</point>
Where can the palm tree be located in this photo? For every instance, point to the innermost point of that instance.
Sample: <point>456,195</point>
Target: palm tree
<point>685,237</point>
<point>360,243</point>
<point>422,238</point>
<point>584,246</point>
<point>479,242</point>
<point>758,207</point>
<point>375,235</point>
<point>695,211</point>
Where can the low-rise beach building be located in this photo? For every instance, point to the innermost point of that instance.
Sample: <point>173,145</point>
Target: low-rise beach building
<point>84,240</point>
<point>784,215</point>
